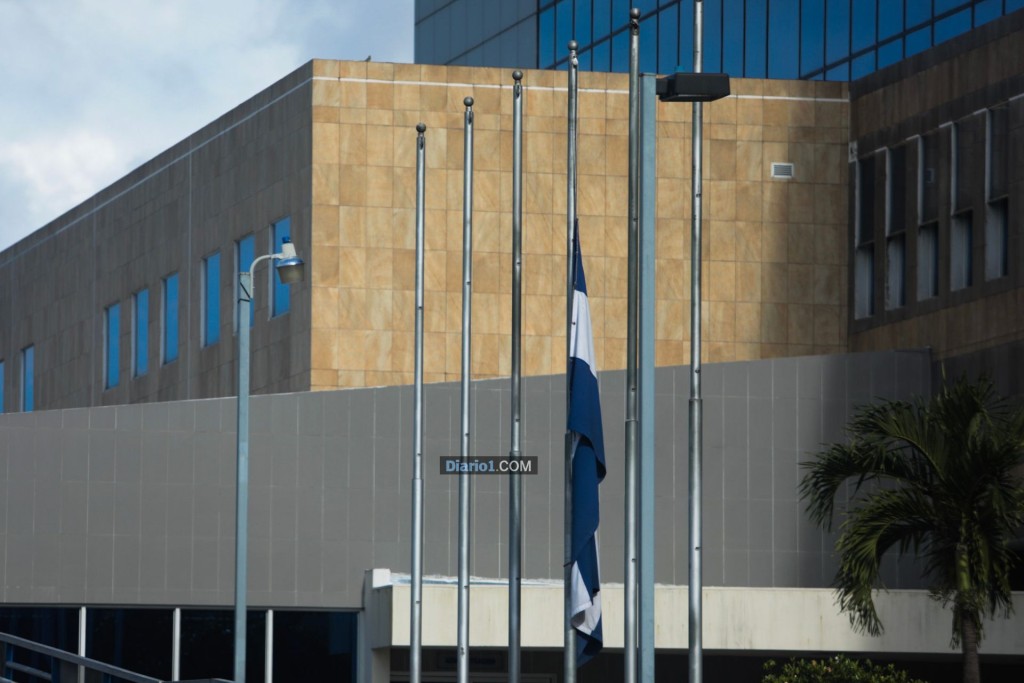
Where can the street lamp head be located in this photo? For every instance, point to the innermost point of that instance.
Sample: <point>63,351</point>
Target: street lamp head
<point>289,266</point>
<point>692,87</point>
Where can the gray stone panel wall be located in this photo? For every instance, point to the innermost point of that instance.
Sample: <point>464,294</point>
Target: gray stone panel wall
<point>234,177</point>
<point>135,504</point>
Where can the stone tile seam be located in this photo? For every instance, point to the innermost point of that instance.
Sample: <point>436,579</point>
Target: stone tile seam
<point>609,91</point>
<point>158,171</point>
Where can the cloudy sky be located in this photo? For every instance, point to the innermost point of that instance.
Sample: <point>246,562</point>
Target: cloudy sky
<point>93,88</point>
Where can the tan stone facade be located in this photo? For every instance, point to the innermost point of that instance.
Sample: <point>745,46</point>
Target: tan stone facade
<point>332,146</point>
<point>775,254</point>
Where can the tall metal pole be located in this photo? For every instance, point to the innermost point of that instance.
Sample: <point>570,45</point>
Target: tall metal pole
<point>648,106</point>
<point>515,483</point>
<point>696,654</point>
<point>464,480</point>
<point>629,590</point>
<point>242,477</point>
<point>416,604</point>
<point>569,659</point>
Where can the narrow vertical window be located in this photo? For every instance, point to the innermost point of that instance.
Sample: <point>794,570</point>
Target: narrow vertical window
<point>895,227</point>
<point>112,346</point>
<point>28,379</point>
<point>961,228</point>
<point>1,387</point>
<point>281,295</point>
<point>997,141</point>
<point>140,333</point>
<point>927,217</point>
<point>170,321</point>
<point>864,230</point>
<point>245,253</point>
<point>211,299</point>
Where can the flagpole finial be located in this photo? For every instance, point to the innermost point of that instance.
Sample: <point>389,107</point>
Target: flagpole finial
<point>517,75</point>
<point>468,101</point>
<point>421,127</point>
<point>634,13</point>
<point>573,46</point>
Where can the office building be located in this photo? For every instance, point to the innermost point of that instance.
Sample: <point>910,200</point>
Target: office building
<point>859,236</point>
<point>835,40</point>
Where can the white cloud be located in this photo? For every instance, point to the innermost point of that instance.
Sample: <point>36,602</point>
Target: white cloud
<point>92,88</point>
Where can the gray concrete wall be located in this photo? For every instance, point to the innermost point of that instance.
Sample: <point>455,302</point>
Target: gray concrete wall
<point>135,504</point>
<point>232,178</point>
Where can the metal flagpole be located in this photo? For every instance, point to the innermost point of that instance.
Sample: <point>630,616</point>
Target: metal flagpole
<point>696,652</point>
<point>416,603</point>
<point>629,590</point>
<point>464,480</point>
<point>648,106</point>
<point>569,673</point>
<point>515,483</point>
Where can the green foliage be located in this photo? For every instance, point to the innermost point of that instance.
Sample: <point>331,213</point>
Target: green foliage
<point>838,669</point>
<point>938,478</point>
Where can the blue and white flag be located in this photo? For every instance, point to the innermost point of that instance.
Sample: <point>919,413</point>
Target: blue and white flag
<point>588,469</point>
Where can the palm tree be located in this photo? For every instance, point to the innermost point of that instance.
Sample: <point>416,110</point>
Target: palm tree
<point>939,478</point>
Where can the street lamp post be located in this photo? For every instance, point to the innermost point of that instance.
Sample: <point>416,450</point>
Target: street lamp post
<point>697,88</point>
<point>290,268</point>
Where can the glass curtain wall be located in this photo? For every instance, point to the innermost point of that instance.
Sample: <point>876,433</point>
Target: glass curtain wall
<point>836,40</point>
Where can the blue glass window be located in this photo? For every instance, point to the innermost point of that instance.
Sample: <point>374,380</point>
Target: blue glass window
<point>863,65</point>
<point>563,28</point>
<point>918,12</point>
<point>837,31</point>
<point>890,22</point>
<point>918,41</point>
<point>649,45</point>
<point>986,11</point>
<point>620,52</point>
<point>713,36</point>
<point>170,339</point>
<point>140,336</point>
<point>601,55</point>
<point>281,293</point>
<point>953,26</point>
<point>245,253</point>
<point>755,43</point>
<point>28,379</point>
<point>545,38</point>
<point>783,25</point>
<point>890,53</point>
<point>731,45</point>
<point>583,35</point>
<point>1014,5</point>
<point>668,40</point>
<point>946,5</point>
<point>211,299</point>
<point>863,25</point>
<point>812,39</point>
<point>686,35</point>
<point>602,19</point>
<point>112,345</point>
<point>1,387</point>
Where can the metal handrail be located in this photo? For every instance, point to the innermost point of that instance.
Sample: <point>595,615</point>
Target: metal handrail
<point>78,660</point>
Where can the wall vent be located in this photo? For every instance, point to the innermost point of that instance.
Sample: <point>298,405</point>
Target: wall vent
<point>782,169</point>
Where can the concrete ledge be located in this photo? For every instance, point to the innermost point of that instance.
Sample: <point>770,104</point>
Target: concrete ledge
<point>790,620</point>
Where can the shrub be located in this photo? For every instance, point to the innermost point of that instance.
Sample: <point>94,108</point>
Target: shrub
<point>838,669</point>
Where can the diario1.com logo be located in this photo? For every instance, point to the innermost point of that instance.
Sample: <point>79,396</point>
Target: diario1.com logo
<point>454,464</point>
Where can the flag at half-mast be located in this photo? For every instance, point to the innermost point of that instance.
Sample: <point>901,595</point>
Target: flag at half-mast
<point>588,469</point>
